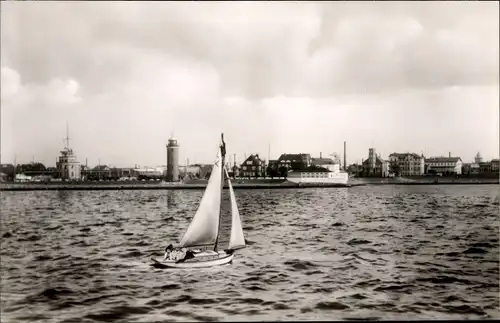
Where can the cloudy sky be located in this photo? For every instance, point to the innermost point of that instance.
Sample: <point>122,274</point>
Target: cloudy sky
<point>302,77</point>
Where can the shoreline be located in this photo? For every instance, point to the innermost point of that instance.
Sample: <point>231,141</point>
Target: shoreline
<point>153,186</point>
<point>86,186</point>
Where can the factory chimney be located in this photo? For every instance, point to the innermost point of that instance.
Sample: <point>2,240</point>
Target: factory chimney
<point>345,159</point>
<point>320,155</point>
<point>449,154</point>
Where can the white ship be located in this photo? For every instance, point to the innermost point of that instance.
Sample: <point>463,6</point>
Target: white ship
<point>302,169</point>
<point>330,174</point>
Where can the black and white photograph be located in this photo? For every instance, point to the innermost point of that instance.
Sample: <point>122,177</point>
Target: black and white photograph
<point>200,161</point>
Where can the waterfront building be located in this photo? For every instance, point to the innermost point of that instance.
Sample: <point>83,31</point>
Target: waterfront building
<point>485,167</point>
<point>470,169</point>
<point>327,163</point>
<point>190,171</point>
<point>149,173</point>
<point>355,170</point>
<point>205,170</point>
<point>272,169</point>
<point>7,172</point>
<point>495,165</point>
<point>68,166</point>
<point>408,164</point>
<point>172,160</point>
<point>444,165</point>
<point>489,166</point>
<point>294,161</point>
<point>374,166</point>
<point>235,171</point>
<point>99,172</point>
<point>253,166</point>
<point>478,159</point>
<point>84,172</point>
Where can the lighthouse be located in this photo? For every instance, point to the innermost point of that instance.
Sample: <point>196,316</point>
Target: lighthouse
<point>172,160</point>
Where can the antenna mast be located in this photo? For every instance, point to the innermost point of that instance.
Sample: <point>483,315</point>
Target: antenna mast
<point>67,136</point>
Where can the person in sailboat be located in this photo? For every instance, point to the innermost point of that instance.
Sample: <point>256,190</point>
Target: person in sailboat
<point>172,253</point>
<point>177,254</point>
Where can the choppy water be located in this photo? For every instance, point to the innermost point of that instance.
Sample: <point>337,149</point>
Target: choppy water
<point>384,252</point>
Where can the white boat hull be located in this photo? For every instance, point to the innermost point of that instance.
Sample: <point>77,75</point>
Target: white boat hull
<point>199,261</point>
<point>341,178</point>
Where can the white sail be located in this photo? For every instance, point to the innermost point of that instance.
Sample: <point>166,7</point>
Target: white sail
<point>204,227</point>
<point>237,240</point>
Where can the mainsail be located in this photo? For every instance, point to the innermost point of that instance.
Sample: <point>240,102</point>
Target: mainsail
<point>237,240</point>
<point>204,227</point>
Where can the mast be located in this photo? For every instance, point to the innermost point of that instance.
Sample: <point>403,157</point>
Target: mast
<point>67,139</point>
<point>223,155</point>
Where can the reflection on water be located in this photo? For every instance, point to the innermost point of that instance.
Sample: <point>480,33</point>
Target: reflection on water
<point>383,252</point>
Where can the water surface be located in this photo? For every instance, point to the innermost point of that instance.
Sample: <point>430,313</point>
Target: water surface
<point>380,252</point>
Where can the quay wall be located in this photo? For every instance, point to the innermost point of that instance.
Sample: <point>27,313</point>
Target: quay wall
<point>237,184</point>
<point>428,180</point>
<point>148,186</point>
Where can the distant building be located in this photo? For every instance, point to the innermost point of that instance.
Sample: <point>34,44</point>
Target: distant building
<point>409,164</point>
<point>205,170</point>
<point>489,167</point>
<point>478,159</point>
<point>253,166</point>
<point>190,171</point>
<point>295,161</point>
<point>485,167</point>
<point>327,163</point>
<point>470,169</point>
<point>149,173</point>
<point>444,165</point>
<point>355,170</point>
<point>375,166</point>
<point>8,171</point>
<point>68,166</point>
<point>100,172</point>
<point>495,165</point>
<point>172,160</point>
<point>272,169</point>
<point>235,171</point>
<point>4,177</point>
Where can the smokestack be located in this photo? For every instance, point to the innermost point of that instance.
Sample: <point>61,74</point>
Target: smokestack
<point>345,156</point>
<point>320,155</point>
<point>449,154</point>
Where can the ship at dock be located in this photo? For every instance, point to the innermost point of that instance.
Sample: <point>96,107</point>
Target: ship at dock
<point>302,169</point>
<point>319,175</point>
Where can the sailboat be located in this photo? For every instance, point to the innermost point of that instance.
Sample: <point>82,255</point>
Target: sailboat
<point>202,234</point>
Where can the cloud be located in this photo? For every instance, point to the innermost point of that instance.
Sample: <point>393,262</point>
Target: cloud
<point>307,50</point>
<point>11,82</point>
<point>55,94</point>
